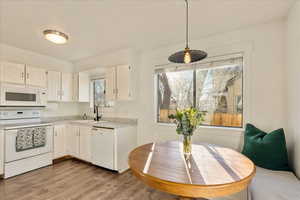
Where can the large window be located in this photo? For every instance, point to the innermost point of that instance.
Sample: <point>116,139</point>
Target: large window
<point>214,87</point>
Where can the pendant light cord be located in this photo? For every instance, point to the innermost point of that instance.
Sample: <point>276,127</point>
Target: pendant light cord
<point>187,55</point>
<point>187,23</point>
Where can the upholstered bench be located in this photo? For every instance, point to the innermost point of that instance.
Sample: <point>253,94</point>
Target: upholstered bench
<point>270,185</point>
<point>269,151</point>
<point>274,185</point>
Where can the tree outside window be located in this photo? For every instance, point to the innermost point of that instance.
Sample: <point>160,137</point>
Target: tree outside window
<point>216,90</point>
<point>99,92</point>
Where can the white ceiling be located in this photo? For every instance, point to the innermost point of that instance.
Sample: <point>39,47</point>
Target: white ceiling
<point>98,26</point>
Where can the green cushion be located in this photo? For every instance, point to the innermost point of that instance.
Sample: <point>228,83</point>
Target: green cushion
<point>267,150</point>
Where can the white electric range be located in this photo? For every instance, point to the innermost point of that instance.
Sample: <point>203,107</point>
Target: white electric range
<point>28,142</point>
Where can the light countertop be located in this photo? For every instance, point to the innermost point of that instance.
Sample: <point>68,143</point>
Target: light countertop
<point>76,120</point>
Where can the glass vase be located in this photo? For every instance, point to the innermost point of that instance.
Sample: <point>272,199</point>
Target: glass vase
<point>187,145</point>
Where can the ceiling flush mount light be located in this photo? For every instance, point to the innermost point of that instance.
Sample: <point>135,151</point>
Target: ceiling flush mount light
<point>187,55</point>
<point>56,37</point>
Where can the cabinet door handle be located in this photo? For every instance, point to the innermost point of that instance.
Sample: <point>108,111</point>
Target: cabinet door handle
<point>22,75</point>
<point>27,75</point>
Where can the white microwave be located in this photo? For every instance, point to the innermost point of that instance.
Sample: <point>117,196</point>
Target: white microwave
<point>22,96</point>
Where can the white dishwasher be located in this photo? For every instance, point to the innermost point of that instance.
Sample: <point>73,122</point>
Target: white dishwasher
<point>103,147</point>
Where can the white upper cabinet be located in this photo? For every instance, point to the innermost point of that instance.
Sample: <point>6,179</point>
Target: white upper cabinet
<point>118,83</point>
<point>123,82</point>
<point>60,86</point>
<point>12,73</point>
<point>54,85</point>
<point>67,87</point>
<point>75,87</point>
<point>81,87</point>
<point>84,87</point>
<point>36,77</point>
<point>110,85</point>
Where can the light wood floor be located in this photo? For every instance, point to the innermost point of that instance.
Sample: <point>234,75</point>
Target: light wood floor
<point>75,180</point>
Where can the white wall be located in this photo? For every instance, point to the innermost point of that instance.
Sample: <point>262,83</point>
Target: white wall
<point>17,55</point>
<point>62,109</point>
<point>293,82</point>
<point>264,91</point>
<point>13,54</point>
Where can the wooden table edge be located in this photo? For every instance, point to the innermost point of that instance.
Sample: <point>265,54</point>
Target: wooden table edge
<point>166,186</point>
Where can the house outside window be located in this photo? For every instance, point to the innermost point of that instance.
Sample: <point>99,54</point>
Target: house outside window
<point>215,87</point>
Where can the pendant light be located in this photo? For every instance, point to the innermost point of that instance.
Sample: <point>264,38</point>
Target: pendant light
<point>187,55</point>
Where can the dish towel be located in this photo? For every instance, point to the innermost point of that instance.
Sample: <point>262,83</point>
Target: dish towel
<point>24,140</point>
<point>39,137</point>
<point>30,138</point>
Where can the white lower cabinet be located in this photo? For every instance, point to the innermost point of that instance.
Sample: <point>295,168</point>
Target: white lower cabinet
<point>104,147</point>
<point>72,140</point>
<point>78,142</point>
<point>1,152</point>
<point>85,143</point>
<point>59,144</point>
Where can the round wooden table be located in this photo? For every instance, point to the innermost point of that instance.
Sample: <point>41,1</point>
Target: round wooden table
<point>211,171</point>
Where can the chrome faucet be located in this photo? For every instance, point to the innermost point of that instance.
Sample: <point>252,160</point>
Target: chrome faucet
<point>96,112</point>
